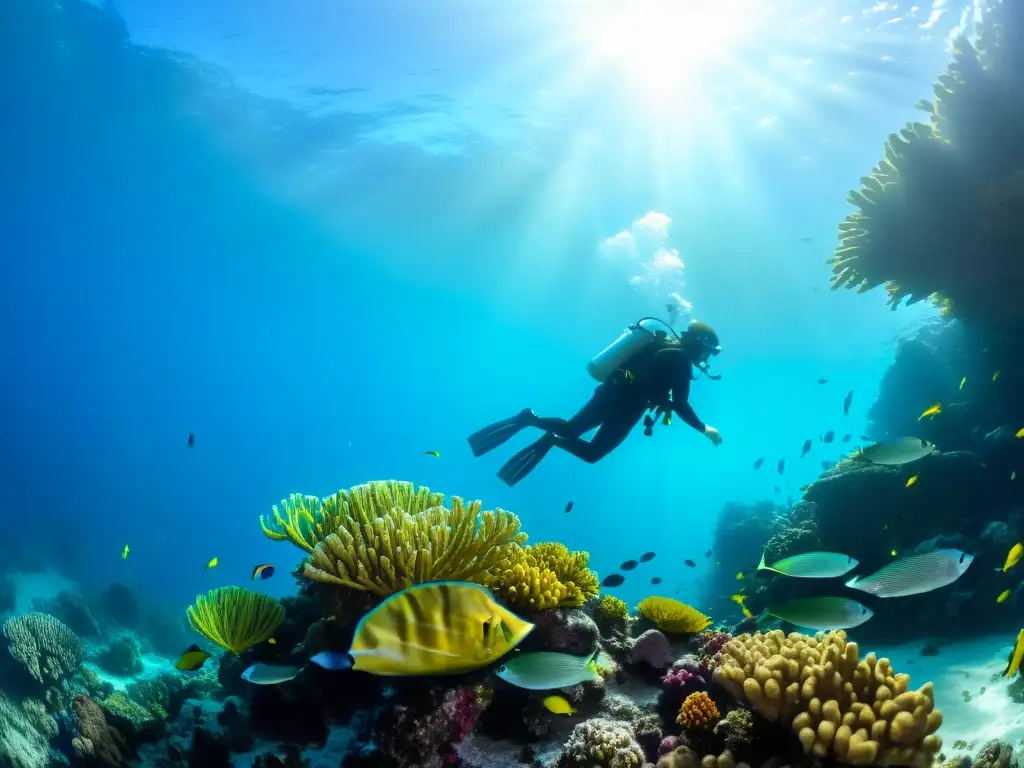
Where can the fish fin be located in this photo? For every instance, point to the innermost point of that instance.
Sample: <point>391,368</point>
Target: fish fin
<point>853,582</point>
<point>335,661</point>
<point>762,566</point>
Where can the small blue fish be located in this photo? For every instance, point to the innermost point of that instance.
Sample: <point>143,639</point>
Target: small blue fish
<point>264,571</point>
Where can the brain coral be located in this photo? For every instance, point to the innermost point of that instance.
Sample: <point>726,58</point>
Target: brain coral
<point>860,712</point>
<point>45,646</point>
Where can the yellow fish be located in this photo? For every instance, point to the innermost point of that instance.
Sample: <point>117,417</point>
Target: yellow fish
<point>1013,662</point>
<point>741,601</point>
<point>932,410</point>
<point>211,564</point>
<point>1002,596</point>
<point>995,377</point>
<point>892,552</point>
<point>124,552</point>
<point>559,705</point>
<point>1020,432</point>
<point>1013,556</point>
<point>435,454</point>
<point>911,481</point>
<point>192,659</point>
<point>272,641</point>
<point>628,375</point>
<point>962,382</point>
<point>739,576</point>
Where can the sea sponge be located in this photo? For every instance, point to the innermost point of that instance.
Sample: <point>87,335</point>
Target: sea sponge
<point>860,712</point>
<point>236,619</point>
<point>698,711</point>
<point>673,616</point>
<point>543,576</point>
<point>390,535</point>
<point>601,743</point>
<point>49,651</point>
<point>613,607</point>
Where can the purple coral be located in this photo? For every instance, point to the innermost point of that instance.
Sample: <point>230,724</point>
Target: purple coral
<point>461,709</point>
<point>668,744</point>
<point>684,678</point>
<point>712,643</point>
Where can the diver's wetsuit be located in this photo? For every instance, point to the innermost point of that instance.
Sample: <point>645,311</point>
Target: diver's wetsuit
<point>658,376</point>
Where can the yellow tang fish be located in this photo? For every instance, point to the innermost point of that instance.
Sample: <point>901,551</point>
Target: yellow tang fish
<point>212,564</point>
<point>962,382</point>
<point>911,481</point>
<point>1002,596</point>
<point>435,454</point>
<point>932,410</point>
<point>559,705</point>
<point>1013,556</point>
<point>1020,432</point>
<point>1013,662</point>
<point>124,552</point>
<point>995,377</point>
<point>442,628</point>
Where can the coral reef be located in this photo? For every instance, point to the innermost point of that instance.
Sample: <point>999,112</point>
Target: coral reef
<point>613,607</point>
<point>121,657</point>
<point>543,576</point>
<point>653,648</point>
<point>698,711</point>
<point>859,711</point>
<point>601,743</point>
<point>673,616</point>
<point>234,618</point>
<point>44,647</point>
<point>25,734</point>
<point>96,742</point>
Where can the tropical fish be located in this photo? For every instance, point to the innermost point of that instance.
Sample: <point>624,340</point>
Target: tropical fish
<point>758,463</point>
<point>823,381</point>
<point>559,705</point>
<point>124,552</point>
<point>270,674</point>
<point>895,453</point>
<point>825,465</point>
<point>568,507</point>
<point>932,410</point>
<point>708,553</point>
<point>962,382</point>
<point>615,580</point>
<point>740,600</point>
<point>441,628</point>
<point>806,449</point>
<point>846,438</point>
<point>1013,556</point>
<point>1016,654</point>
<point>191,439</point>
<point>646,557</point>
<point>822,612</point>
<point>689,563</point>
<point>629,565</point>
<point>264,571</point>
<point>435,454</point>
<point>1003,595</point>
<point>811,565</point>
<point>547,670</point>
<point>847,403</point>
<point>995,377</point>
<point>192,659</point>
<point>656,580</point>
<point>739,576</point>
<point>916,574</point>
<point>829,436</point>
<point>911,481</point>
<point>1020,432</point>
<point>782,466</point>
<point>212,564</point>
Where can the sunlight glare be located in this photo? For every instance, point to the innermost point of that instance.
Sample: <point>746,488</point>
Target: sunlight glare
<point>666,44</point>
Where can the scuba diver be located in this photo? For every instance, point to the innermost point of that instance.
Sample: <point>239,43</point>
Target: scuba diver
<point>643,375</point>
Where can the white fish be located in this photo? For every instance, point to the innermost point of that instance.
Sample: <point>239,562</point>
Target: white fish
<point>916,574</point>
<point>895,453</point>
<point>811,565</point>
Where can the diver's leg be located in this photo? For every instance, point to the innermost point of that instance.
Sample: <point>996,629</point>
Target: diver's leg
<point>613,431</point>
<point>523,463</point>
<point>489,438</point>
<point>589,416</point>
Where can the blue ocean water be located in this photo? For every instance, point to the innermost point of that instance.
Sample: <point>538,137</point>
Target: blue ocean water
<point>328,237</point>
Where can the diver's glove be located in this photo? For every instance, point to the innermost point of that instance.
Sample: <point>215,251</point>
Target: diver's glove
<point>713,434</point>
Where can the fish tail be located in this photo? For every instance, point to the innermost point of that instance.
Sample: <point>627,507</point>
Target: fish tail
<point>763,566</point>
<point>853,582</point>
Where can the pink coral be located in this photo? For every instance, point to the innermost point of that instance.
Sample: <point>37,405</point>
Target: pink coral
<point>653,648</point>
<point>461,709</point>
<point>710,650</point>
<point>682,678</point>
<point>668,744</point>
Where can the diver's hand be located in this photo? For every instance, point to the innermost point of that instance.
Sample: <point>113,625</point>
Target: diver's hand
<point>713,435</point>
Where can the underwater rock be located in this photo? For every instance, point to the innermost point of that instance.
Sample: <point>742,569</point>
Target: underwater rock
<point>73,611</point>
<point>119,603</point>
<point>995,754</point>
<point>562,629</point>
<point>653,649</point>
<point>97,743</point>
<point>122,657</point>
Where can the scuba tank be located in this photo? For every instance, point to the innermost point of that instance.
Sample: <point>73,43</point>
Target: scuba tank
<point>633,340</point>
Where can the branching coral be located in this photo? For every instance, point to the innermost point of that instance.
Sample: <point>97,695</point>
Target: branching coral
<point>236,619</point>
<point>673,616</point>
<point>613,607</point>
<point>300,520</point>
<point>698,711</point>
<point>48,650</point>
<point>390,535</point>
<point>860,712</point>
<point>544,576</point>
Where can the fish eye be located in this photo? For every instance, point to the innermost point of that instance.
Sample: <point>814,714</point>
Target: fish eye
<point>963,556</point>
<point>502,669</point>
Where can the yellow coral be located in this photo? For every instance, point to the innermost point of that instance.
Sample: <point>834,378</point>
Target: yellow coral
<point>698,711</point>
<point>613,607</point>
<point>544,576</point>
<point>304,522</point>
<point>234,618</point>
<point>860,712</point>
<point>673,616</point>
<point>390,535</point>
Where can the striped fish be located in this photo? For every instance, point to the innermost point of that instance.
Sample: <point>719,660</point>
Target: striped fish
<point>811,565</point>
<point>822,612</point>
<point>916,574</point>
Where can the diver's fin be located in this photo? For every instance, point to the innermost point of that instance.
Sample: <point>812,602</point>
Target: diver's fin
<point>524,462</point>
<point>489,438</point>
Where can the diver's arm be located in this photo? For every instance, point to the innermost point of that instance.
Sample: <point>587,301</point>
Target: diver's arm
<point>681,403</point>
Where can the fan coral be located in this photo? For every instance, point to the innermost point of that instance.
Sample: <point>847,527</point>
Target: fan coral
<point>698,711</point>
<point>601,743</point>
<point>860,712</point>
<point>613,607</point>
<point>48,650</point>
<point>673,616</point>
<point>544,576</point>
<point>390,535</point>
<point>236,619</point>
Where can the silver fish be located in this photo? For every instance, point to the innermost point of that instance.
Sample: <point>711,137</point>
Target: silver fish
<point>896,453</point>
<point>811,565</point>
<point>822,612</point>
<point>547,670</point>
<point>916,574</point>
<point>270,674</point>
